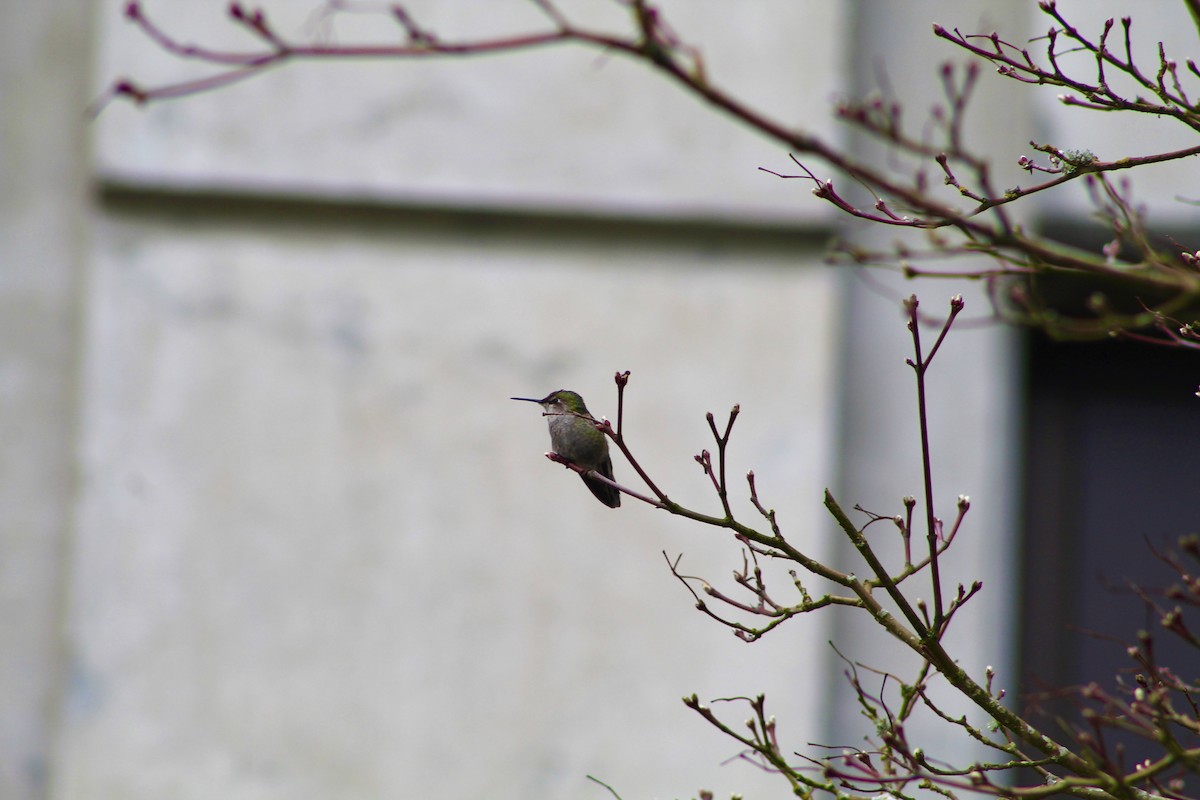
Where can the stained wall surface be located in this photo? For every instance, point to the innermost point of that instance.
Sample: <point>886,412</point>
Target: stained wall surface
<point>271,526</point>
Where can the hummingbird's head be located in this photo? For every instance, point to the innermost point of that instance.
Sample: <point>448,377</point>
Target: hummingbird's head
<point>563,401</point>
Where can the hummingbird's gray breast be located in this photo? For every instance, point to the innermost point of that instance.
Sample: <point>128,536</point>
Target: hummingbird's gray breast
<point>577,439</point>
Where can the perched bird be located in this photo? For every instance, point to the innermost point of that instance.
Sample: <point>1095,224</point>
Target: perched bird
<point>573,435</point>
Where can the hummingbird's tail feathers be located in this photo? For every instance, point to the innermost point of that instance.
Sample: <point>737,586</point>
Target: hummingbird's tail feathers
<point>604,492</point>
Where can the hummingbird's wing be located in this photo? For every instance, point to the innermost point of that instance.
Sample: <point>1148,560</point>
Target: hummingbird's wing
<point>604,492</point>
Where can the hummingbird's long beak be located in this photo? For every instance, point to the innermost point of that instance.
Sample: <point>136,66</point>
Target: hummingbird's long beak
<point>526,399</point>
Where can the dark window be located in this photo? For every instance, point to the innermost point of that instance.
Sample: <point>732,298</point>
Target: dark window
<point>1112,460</point>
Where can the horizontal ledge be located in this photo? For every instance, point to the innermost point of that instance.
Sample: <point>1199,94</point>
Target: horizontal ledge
<point>267,207</point>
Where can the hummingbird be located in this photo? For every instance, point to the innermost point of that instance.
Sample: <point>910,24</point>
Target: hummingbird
<point>573,435</point>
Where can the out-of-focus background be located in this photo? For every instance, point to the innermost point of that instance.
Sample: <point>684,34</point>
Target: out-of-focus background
<point>269,525</point>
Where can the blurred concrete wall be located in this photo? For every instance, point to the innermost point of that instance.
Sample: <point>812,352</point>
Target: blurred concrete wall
<point>272,529</point>
<point>44,220</point>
